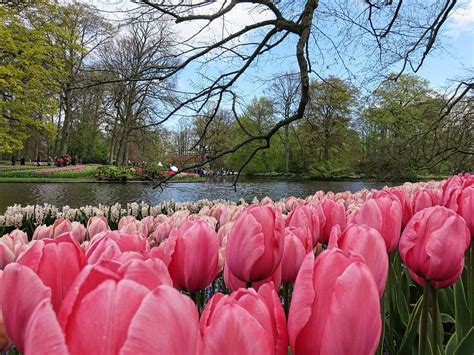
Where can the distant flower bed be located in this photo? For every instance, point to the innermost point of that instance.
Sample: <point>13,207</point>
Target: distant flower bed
<point>9,166</point>
<point>57,170</point>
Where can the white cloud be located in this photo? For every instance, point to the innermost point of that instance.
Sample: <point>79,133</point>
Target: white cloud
<point>240,16</point>
<point>462,19</point>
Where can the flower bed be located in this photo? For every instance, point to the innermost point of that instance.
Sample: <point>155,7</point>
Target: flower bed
<point>42,172</point>
<point>61,169</point>
<point>332,273</point>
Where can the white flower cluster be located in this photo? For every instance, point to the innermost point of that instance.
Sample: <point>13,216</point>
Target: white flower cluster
<point>16,215</point>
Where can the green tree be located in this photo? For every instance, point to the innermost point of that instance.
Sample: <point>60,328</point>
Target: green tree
<point>398,112</point>
<point>329,140</point>
<point>27,71</point>
<point>81,31</point>
<point>256,121</point>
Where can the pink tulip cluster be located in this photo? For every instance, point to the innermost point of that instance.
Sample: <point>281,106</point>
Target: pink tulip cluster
<point>88,289</point>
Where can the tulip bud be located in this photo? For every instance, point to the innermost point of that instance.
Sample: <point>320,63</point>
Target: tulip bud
<point>255,245</point>
<point>330,213</point>
<point>433,246</point>
<point>325,315</point>
<point>367,243</point>
<point>426,198</point>
<point>193,254</point>
<point>96,225</point>
<point>384,215</point>
<point>306,217</point>
<point>298,243</point>
<point>42,232</point>
<point>244,322</point>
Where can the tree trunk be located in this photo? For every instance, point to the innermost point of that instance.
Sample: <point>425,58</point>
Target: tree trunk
<point>63,143</point>
<point>58,134</point>
<point>122,151</point>
<point>287,148</point>
<point>112,150</point>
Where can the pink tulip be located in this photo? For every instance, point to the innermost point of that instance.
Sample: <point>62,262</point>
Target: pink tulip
<point>222,212</point>
<point>96,225</point>
<point>384,215</point>
<point>130,225</point>
<point>11,246</point>
<point>233,283</point>
<point>367,243</point>
<point>57,262</point>
<point>5,341</point>
<point>21,292</point>
<point>298,243</point>
<point>402,197</point>
<point>18,236</point>
<point>178,218</point>
<point>113,315</point>
<point>292,202</point>
<point>224,232</point>
<point>111,245</point>
<point>150,273</point>
<point>326,316</point>
<point>426,198</point>
<point>161,232</point>
<point>305,217</point>
<point>60,226</point>
<point>244,322</point>
<point>208,219</point>
<point>433,246</point>
<point>255,245</point>
<point>464,206</point>
<point>7,252</point>
<point>148,225</point>
<point>42,232</point>
<point>78,231</point>
<point>330,213</point>
<point>192,254</point>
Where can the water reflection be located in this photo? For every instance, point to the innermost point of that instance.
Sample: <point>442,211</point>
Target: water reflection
<point>80,194</point>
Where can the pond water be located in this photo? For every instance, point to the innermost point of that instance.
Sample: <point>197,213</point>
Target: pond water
<point>80,194</point>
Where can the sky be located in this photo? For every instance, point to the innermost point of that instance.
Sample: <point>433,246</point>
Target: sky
<point>453,61</point>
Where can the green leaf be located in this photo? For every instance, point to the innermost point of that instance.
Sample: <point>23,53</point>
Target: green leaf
<point>462,314</point>
<point>411,330</point>
<point>466,345</point>
<point>451,345</point>
<point>402,306</point>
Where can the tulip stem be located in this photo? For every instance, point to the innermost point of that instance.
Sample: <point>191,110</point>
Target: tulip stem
<point>197,300</point>
<point>382,313</point>
<point>470,270</point>
<point>286,299</point>
<point>424,319</point>
<point>434,319</point>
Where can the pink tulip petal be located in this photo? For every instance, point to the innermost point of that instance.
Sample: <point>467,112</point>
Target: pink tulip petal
<point>43,335</point>
<point>22,290</point>
<point>251,250</point>
<point>302,300</point>
<point>166,323</point>
<point>150,273</point>
<point>103,317</point>
<point>87,280</point>
<point>340,335</point>
<point>235,331</point>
